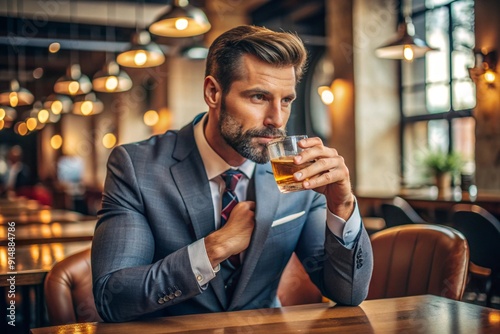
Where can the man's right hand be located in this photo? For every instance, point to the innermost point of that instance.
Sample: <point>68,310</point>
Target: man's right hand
<point>234,237</point>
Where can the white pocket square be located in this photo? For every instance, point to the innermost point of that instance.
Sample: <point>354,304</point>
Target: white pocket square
<point>287,218</point>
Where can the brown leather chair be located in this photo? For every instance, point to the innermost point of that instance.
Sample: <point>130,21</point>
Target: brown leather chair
<point>295,287</point>
<point>419,259</point>
<point>68,291</point>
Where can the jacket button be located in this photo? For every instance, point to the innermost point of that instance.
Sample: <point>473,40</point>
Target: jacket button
<point>161,301</point>
<point>177,293</point>
<point>166,298</point>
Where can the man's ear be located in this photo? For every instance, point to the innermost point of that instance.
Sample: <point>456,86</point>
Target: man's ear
<point>212,92</point>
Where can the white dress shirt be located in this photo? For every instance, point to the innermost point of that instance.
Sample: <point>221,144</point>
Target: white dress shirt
<point>214,167</point>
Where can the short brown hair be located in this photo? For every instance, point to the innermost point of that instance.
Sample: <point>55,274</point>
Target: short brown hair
<point>276,48</point>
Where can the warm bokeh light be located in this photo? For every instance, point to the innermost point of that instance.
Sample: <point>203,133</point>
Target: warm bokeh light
<point>140,58</point>
<point>86,108</point>
<point>181,24</point>
<point>109,140</point>
<point>43,115</point>
<point>21,128</point>
<point>489,76</point>
<point>31,123</point>
<point>2,114</point>
<point>13,99</point>
<point>56,107</point>
<point>54,47</point>
<point>408,53</point>
<point>2,124</point>
<point>111,83</point>
<point>151,117</point>
<point>56,142</point>
<point>73,87</point>
<point>326,95</point>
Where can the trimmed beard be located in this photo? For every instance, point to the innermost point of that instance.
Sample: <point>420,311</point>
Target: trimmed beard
<point>240,141</point>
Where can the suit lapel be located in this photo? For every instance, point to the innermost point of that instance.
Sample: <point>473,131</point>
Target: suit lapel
<point>267,200</point>
<point>191,180</point>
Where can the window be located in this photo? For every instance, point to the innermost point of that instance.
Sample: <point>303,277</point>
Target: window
<point>437,94</point>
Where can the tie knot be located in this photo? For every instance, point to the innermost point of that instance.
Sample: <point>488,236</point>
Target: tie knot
<point>231,178</point>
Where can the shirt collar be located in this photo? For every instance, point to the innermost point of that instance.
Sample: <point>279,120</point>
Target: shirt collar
<point>214,164</point>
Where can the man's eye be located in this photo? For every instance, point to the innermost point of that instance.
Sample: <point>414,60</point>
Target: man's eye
<point>258,97</point>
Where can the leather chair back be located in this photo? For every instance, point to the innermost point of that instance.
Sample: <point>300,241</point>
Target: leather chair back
<point>68,291</point>
<point>419,259</point>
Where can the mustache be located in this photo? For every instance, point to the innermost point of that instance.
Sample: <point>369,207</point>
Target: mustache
<point>266,132</point>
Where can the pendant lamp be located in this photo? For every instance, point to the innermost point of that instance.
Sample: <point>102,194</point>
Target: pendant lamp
<point>405,45</point>
<point>111,79</point>
<point>74,82</point>
<point>58,104</point>
<point>142,52</point>
<point>86,105</point>
<point>16,96</point>
<point>181,20</point>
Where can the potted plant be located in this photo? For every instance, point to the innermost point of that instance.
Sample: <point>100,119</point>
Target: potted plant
<point>443,166</point>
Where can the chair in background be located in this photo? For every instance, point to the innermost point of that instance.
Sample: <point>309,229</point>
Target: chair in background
<point>419,259</point>
<point>482,231</point>
<point>68,291</point>
<point>399,212</point>
<point>295,287</point>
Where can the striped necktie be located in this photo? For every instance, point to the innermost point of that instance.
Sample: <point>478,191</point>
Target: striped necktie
<point>229,201</point>
<point>229,198</point>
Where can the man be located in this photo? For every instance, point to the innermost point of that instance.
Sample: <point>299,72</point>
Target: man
<point>18,174</point>
<point>159,248</point>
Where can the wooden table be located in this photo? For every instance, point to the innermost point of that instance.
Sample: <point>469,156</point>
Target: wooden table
<point>30,234</point>
<point>44,216</point>
<point>32,262</point>
<point>418,314</point>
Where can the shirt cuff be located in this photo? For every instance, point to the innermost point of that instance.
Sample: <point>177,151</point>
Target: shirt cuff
<point>200,264</point>
<point>346,231</point>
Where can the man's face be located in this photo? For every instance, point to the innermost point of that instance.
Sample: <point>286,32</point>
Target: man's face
<point>257,107</point>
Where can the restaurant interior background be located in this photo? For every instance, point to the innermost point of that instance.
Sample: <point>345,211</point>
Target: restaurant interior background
<point>384,115</point>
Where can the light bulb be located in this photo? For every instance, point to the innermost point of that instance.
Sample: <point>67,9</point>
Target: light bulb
<point>13,99</point>
<point>489,76</point>
<point>73,87</point>
<point>111,83</point>
<point>43,116</point>
<point>87,107</point>
<point>408,53</point>
<point>56,107</point>
<point>140,58</point>
<point>181,24</point>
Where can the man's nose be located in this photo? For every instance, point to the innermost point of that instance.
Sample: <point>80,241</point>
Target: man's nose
<point>274,117</point>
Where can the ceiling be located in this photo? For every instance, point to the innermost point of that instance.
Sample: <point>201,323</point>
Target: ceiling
<point>88,29</point>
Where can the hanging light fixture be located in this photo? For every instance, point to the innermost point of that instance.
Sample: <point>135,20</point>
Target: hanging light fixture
<point>142,52</point>
<point>87,105</point>
<point>58,104</point>
<point>111,79</point>
<point>405,45</point>
<point>181,20</point>
<point>74,82</point>
<point>16,95</point>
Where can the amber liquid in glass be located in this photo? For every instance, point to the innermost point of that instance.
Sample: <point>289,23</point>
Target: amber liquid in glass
<point>283,169</point>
